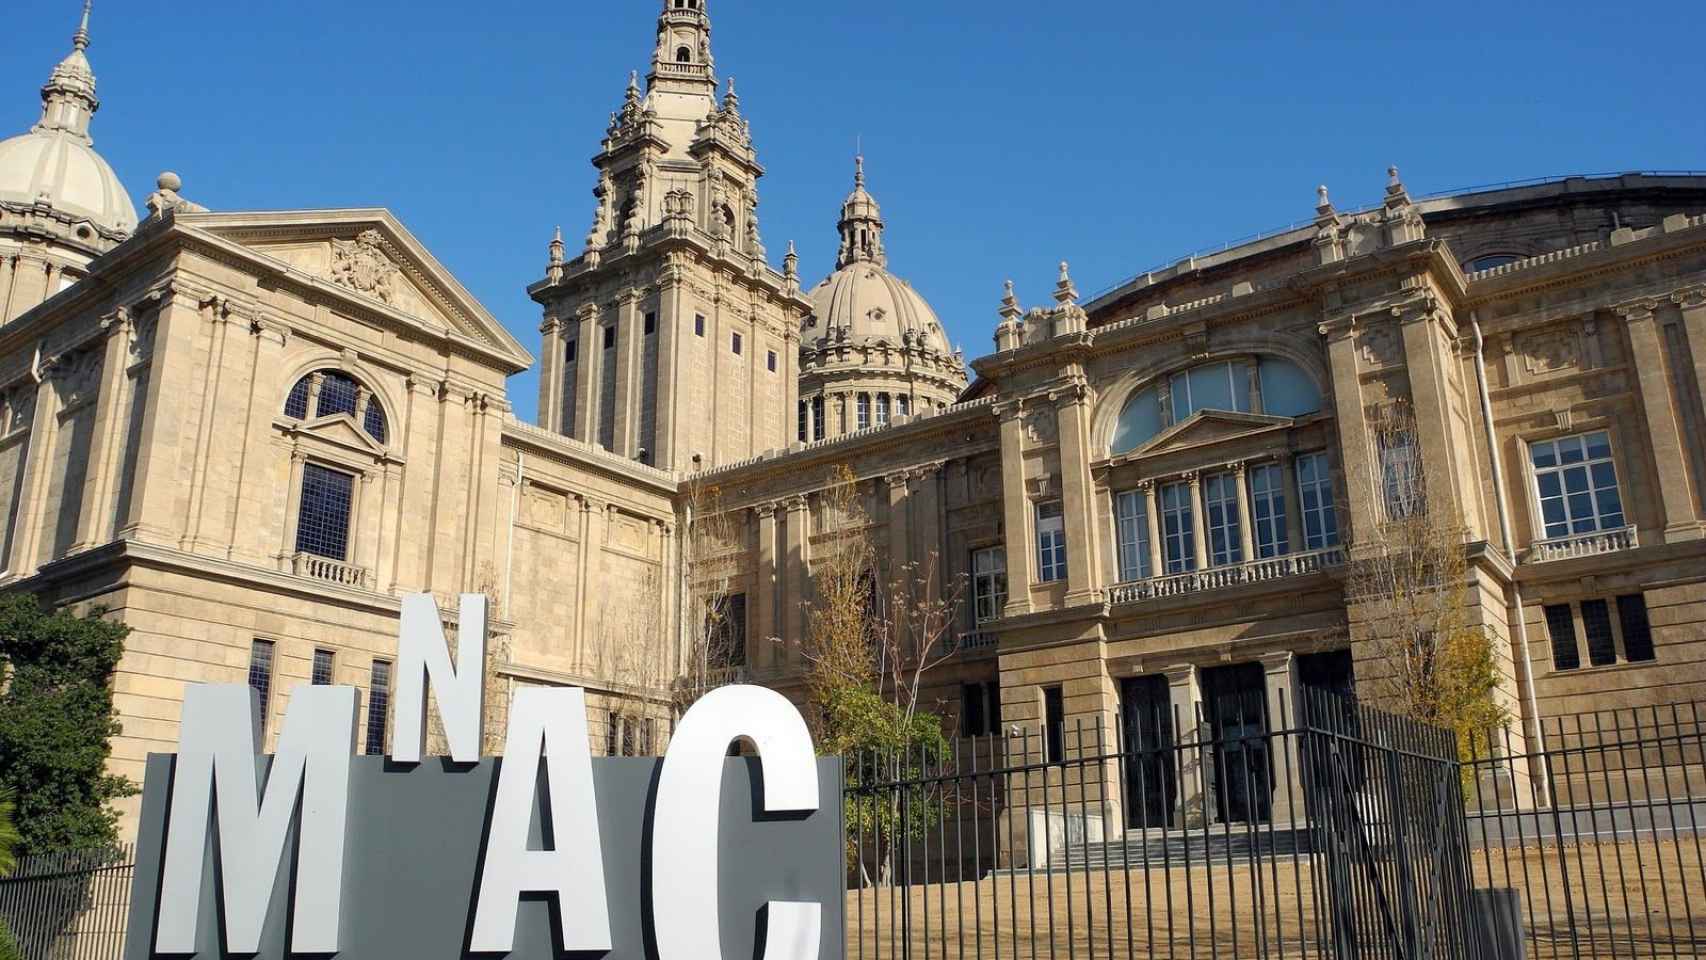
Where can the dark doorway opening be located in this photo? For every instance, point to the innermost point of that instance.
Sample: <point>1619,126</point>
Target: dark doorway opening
<point>1236,700</point>
<point>1146,715</point>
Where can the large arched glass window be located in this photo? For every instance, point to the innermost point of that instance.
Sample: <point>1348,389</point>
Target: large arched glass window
<point>1286,390</point>
<point>332,392</point>
<point>1140,420</point>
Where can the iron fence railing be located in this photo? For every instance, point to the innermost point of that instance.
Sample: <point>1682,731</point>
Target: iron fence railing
<point>1600,830</point>
<point>1339,835</point>
<point>69,906</point>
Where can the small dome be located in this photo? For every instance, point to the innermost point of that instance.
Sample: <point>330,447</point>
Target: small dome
<point>64,169</point>
<point>870,303</point>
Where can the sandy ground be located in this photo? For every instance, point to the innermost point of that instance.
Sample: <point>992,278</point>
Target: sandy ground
<point>1596,900</point>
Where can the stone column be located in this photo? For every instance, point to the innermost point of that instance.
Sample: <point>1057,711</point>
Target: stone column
<point>1355,445</point>
<point>1257,403</point>
<point>552,358</point>
<point>1152,504</point>
<point>1676,498</point>
<point>628,359</point>
<point>671,307</point>
<point>1692,303</point>
<point>1016,509</point>
<point>384,566</point>
<point>929,529</point>
<point>588,553</point>
<point>93,521</point>
<point>292,508</point>
<point>1199,520</point>
<point>37,474</point>
<point>791,385</point>
<point>359,511</point>
<point>1283,753</point>
<point>1246,535</point>
<point>419,439</point>
<point>1293,505</point>
<point>900,527</point>
<point>1083,572</point>
<point>766,621</point>
<point>585,427</point>
<point>1184,690</point>
<point>798,559</point>
<point>1434,433</point>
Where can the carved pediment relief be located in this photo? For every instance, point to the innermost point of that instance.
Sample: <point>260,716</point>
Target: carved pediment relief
<point>1552,350</point>
<point>363,265</point>
<point>1207,427</point>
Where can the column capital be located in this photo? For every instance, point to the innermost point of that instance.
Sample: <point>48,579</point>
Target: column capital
<point>1637,310</point>
<point>765,511</point>
<point>1180,673</point>
<point>1239,467</point>
<point>1277,660</point>
<point>552,324</point>
<point>796,504</point>
<point>1690,298</point>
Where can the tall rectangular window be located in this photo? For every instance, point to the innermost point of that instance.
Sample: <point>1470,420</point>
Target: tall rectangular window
<point>1051,542</point>
<point>260,675</point>
<point>322,675</point>
<point>1131,519</point>
<point>322,526</point>
<point>1178,528</point>
<point>698,324</point>
<point>1315,500</point>
<point>980,708</point>
<point>1596,625</point>
<point>613,735</point>
<point>1402,492</point>
<point>378,706</point>
<point>862,411</point>
<point>1576,483</point>
<point>805,417</point>
<point>882,409</point>
<point>1561,627</point>
<point>573,351</point>
<point>1267,511</point>
<point>1220,499</point>
<point>1637,629</point>
<point>734,343</point>
<point>651,323</point>
<point>903,404</point>
<point>988,583</point>
<point>609,338</point>
<point>770,361</point>
<point>817,417</point>
<point>1054,720</point>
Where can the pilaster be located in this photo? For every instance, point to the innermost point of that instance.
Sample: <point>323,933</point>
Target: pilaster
<point>1083,573</point>
<point>1681,519</point>
<point>94,521</point>
<point>38,473</point>
<point>1355,445</point>
<point>1280,669</point>
<point>158,503</point>
<point>766,606</point>
<point>587,375</point>
<point>625,436</point>
<point>1429,386</point>
<point>1016,508</point>
<point>798,558</point>
<point>900,529</point>
<point>551,367</point>
<point>1692,304</point>
<point>1293,504</point>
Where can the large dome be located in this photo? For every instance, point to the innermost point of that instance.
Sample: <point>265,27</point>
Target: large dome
<point>65,171</point>
<point>863,301</point>
<point>56,163</point>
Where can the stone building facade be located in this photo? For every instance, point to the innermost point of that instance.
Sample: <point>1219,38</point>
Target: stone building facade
<point>248,434</point>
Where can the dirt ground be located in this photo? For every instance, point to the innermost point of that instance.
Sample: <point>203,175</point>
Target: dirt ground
<point>1597,900</point>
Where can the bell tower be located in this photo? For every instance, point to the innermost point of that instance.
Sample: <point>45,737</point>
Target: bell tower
<point>669,338</point>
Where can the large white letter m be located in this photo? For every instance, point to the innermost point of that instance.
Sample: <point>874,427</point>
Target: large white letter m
<point>217,751</point>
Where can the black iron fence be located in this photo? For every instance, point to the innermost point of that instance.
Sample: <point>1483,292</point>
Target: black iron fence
<point>69,906</point>
<point>1339,835</point>
<point>1596,820</point>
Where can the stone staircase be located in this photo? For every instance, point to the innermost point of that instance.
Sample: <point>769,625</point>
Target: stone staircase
<point>1237,842</point>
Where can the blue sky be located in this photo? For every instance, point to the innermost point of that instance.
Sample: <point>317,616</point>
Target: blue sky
<point>1000,136</point>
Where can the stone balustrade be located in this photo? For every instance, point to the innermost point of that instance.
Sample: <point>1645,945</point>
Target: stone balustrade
<point>1583,545</point>
<point>329,570</point>
<point>1231,575</point>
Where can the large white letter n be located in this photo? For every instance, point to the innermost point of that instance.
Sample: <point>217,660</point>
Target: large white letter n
<point>216,758</point>
<point>423,660</point>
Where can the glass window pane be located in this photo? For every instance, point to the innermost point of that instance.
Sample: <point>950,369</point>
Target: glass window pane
<point>322,526</point>
<point>1550,484</point>
<point>1211,389</point>
<point>337,394</point>
<point>1139,421</point>
<point>1286,390</point>
<point>1561,626</point>
<point>1598,445</point>
<point>1544,454</point>
<point>1576,480</point>
<point>1596,624</point>
<point>1570,450</point>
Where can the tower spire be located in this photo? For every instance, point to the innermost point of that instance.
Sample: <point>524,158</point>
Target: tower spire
<point>861,223</point>
<point>80,39</point>
<point>68,99</point>
<point>682,62</point>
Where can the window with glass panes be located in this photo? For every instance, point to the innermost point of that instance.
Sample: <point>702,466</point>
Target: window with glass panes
<point>1637,629</point>
<point>1561,629</point>
<point>804,416</point>
<point>988,583</point>
<point>1220,500</point>
<point>862,411</point>
<point>322,673</point>
<point>903,404</point>
<point>1315,502</point>
<point>1051,542</point>
<point>1596,626</point>
<point>1178,528</point>
<point>1267,511</point>
<point>1216,386</point>
<point>378,705</point>
<point>1576,483</point>
<point>1131,520</point>
<point>882,409</point>
<point>817,417</point>
<point>322,524</point>
<point>1402,492</point>
<point>260,674</point>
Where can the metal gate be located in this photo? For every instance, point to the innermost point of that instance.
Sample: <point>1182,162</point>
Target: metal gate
<point>69,906</point>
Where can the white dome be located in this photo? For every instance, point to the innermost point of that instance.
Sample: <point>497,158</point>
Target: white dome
<point>64,169</point>
<point>871,304</point>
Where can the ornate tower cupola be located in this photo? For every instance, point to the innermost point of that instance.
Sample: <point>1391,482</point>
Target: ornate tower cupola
<point>68,100</point>
<point>861,224</point>
<point>682,62</point>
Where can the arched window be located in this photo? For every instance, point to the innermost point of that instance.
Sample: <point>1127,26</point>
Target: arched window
<point>1286,390</point>
<point>1488,261</point>
<point>1139,421</point>
<point>683,55</point>
<point>333,392</point>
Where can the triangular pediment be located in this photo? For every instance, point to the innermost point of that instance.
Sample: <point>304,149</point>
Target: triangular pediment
<point>369,256</point>
<point>1206,427</point>
<point>341,429</point>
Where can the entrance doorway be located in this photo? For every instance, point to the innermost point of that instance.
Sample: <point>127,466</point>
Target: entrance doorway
<point>1146,717</point>
<point>1236,699</point>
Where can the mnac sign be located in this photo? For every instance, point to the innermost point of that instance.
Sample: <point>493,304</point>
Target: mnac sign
<point>541,853</point>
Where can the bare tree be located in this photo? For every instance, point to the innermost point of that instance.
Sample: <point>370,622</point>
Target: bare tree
<point>842,638</point>
<point>917,635</point>
<point>708,568</point>
<point>1409,582</point>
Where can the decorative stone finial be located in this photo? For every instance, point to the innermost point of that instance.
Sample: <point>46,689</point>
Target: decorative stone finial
<point>80,39</point>
<point>1010,309</point>
<point>859,171</point>
<point>1392,177</point>
<point>1322,203</point>
<point>557,246</point>
<point>166,199</point>
<point>1065,292</point>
